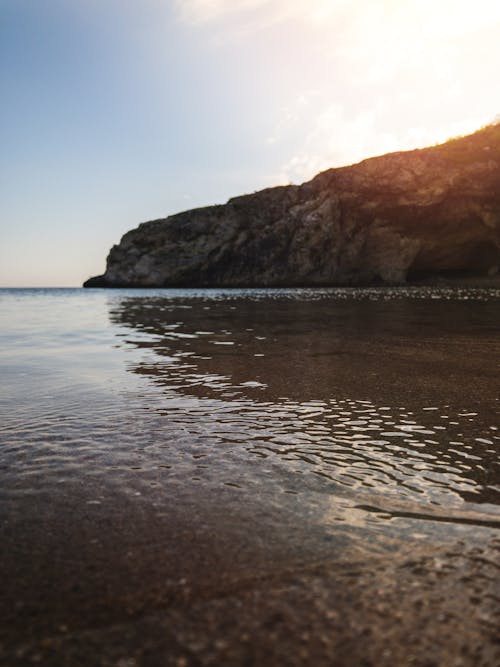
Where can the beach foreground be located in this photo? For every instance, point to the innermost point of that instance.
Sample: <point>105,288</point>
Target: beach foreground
<point>250,478</point>
<point>207,586</point>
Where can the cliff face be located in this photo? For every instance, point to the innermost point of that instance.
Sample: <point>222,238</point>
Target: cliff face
<point>388,219</point>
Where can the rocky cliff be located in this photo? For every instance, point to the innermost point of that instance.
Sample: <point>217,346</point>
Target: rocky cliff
<point>402,216</point>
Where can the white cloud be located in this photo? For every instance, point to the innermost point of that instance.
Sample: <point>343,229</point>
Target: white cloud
<point>335,139</point>
<point>443,18</point>
<point>385,75</point>
<point>292,114</point>
<point>338,139</point>
<point>202,11</point>
<point>264,13</point>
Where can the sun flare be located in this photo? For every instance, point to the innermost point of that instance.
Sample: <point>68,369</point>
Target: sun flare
<point>375,76</point>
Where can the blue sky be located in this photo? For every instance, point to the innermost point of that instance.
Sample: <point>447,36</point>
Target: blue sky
<point>118,111</point>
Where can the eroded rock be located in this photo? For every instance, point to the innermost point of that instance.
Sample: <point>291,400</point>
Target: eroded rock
<point>407,215</point>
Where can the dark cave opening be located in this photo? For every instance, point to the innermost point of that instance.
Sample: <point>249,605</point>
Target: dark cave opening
<point>475,260</point>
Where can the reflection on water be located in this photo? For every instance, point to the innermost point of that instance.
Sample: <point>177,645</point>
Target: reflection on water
<point>396,396</point>
<point>357,394</point>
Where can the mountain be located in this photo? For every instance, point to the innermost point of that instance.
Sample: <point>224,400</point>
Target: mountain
<point>399,217</point>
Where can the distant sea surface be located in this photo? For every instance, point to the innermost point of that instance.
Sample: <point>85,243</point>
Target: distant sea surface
<point>369,411</point>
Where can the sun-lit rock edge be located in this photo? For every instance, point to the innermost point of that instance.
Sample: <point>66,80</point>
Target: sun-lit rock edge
<point>389,219</point>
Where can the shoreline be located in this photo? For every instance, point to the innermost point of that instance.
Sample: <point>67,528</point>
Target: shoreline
<point>437,281</point>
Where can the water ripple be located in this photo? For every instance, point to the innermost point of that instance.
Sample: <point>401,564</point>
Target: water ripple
<point>354,392</point>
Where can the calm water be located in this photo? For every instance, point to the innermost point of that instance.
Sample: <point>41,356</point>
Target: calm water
<point>355,408</point>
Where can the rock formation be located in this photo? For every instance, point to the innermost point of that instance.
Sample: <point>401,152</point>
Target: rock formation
<point>401,216</point>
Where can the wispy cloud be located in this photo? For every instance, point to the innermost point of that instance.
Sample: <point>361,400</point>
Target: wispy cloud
<point>443,18</point>
<point>269,11</point>
<point>337,138</point>
<point>383,76</point>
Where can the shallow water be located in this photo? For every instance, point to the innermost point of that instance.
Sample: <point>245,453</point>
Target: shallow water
<point>354,408</point>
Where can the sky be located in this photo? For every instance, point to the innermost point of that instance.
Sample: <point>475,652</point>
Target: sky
<point>118,111</point>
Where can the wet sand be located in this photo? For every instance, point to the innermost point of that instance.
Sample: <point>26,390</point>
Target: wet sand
<point>213,584</point>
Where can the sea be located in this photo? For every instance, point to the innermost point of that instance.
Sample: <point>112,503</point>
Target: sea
<point>366,416</point>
